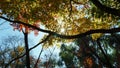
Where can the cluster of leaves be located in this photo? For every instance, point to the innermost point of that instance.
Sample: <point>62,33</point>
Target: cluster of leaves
<point>73,15</point>
<point>97,13</point>
<point>66,17</point>
<point>24,28</point>
<point>17,51</point>
<point>65,52</point>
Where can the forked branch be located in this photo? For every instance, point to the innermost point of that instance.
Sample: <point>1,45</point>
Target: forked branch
<point>112,30</point>
<point>29,50</point>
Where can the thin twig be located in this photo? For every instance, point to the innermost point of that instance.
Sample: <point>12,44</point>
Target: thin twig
<point>38,57</point>
<point>29,50</point>
<point>70,9</point>
<point>2,23</point>
<point>40,42</point>
<point>15,59</point>
<point>107,59</point>
<point>51,53</point>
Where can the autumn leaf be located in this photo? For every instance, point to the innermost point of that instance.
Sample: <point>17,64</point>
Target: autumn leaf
<point>36,32</point>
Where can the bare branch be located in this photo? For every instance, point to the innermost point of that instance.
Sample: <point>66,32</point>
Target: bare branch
<point>41,49</point>
<point>113,30</point>
<point>2,23</point>
<point>40,42</point>
<point>29,50</point>
<point>38,58</point>
<point>51,55</point>
<point>70,9</point>
<point>14,60</point>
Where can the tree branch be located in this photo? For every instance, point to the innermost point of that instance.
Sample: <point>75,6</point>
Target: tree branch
<point>109,10</point>
<point>29,50</point>
<point>70,9</point>
<point>14,60</point>
<point>106,57</point>
<point>113,30</point>
<point>118,1</point>
<point>93,52</point>
<point>35,66</point>
<point>40,42</point>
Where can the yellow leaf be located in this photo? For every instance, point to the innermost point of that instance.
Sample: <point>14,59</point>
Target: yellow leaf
<point>96,36</point>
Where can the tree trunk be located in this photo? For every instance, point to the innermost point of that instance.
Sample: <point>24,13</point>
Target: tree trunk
<point>27,50</point>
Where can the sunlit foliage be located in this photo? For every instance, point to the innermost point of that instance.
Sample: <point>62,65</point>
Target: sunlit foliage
<point>68,17</point>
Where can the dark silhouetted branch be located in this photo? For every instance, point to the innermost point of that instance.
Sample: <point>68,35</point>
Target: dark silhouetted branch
<point>27,50</point>
<point>14,60</point>
<point>70,9</point>
<point>105,56</point>
<point>93,52</point>
<point>40,42</point>
<point>113,30</point>
<point>118,1</point>
<point>35,66</point>
<point>109,10</point>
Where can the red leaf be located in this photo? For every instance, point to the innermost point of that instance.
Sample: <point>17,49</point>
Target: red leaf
<point>20,27</point>
<point>36,32</point>
<point>26,29</point>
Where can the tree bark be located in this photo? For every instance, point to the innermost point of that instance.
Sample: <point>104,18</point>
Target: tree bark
<point>27,50</point>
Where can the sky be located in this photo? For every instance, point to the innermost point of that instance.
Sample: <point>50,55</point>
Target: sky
<point>7,30</point>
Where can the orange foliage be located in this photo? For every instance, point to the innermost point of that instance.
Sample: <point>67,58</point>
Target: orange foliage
<point>88,62</point>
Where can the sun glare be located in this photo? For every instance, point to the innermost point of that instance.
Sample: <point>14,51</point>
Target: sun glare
<point>62,30</point>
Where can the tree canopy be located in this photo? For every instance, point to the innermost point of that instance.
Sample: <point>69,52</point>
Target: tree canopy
<point>63,16</point>
<point>62,19</point>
